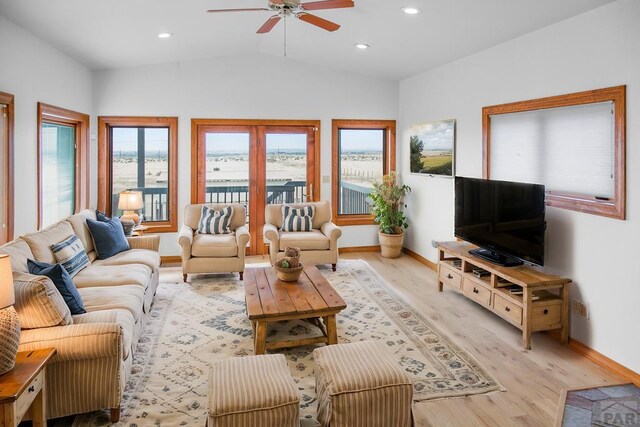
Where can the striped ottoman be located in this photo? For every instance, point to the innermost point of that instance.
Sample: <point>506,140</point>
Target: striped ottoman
<point>361,385</point>
<point>253,391</point>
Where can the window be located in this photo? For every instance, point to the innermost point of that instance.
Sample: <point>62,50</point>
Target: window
<point>363,151</point>
<point>140,154</point>
<point>573,144</point>
<point>63,163</point>
<point>6,167</point>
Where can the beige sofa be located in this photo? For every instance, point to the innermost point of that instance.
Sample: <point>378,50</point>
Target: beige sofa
<point>94,350</point>
<point>213,253</point>
<point>319,246</point>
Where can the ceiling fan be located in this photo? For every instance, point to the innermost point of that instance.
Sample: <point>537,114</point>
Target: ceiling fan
<point>286,8</point>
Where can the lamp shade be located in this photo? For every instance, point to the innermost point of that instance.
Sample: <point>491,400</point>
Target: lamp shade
<point>130,200</point>
<point>7,294</point>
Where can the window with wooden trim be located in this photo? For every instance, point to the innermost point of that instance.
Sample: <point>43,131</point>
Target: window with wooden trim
<point>573,144</point>
<point>363,151</point>
<point>6,167</point>
<point>140,154</point>
<point>63,163</point>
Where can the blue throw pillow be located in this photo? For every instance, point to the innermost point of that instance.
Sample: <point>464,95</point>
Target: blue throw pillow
<point>101,216</point>
<point>108,237</point>
<point>62,281</point>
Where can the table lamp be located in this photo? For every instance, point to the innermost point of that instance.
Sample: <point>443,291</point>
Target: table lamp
<point>9,324</point>
<point>129,202</point>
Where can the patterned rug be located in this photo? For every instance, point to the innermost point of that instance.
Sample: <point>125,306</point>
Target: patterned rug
<point>193,324</point>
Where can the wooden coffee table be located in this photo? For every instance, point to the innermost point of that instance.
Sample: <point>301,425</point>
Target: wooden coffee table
<point>310,298</point>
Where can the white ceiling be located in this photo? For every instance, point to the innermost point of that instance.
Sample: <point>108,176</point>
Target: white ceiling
<point>122,33</point>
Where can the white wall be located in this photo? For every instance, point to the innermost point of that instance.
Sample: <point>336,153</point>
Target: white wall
<point>598,49</point>
<point>34,71</point>
<point>251,87</point>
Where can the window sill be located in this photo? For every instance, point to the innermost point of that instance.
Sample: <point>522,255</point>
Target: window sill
<point>160,227</point>
<point>347,220</point>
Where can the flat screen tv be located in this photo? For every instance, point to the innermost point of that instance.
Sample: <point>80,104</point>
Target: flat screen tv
<point>505,219</point>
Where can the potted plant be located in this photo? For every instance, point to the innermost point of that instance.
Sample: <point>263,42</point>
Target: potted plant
<point>386,199</point>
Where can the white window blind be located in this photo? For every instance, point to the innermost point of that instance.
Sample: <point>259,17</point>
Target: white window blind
<point>568,149</point>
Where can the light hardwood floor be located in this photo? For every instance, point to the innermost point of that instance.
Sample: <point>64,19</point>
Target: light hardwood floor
<point>533,378</point>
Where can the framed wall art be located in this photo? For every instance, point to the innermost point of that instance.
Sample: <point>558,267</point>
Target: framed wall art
<point>432,148</point>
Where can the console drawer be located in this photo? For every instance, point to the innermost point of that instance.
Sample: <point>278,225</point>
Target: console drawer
<point>546,316</point>
<point>508,310</point>
<point>476,292</point>
<point>450,276</point>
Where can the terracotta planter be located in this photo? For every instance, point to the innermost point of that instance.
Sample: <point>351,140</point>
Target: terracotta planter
<point>391,244</point>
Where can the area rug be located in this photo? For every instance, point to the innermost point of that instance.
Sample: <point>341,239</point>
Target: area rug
<point>611,405</point>
<point>194,324</point>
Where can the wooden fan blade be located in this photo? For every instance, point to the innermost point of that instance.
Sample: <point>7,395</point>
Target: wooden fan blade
<point>268,26</point>
<point>237,10</point>
<point>276,2</point>
<point>328,4</point>
<point>317,21</point>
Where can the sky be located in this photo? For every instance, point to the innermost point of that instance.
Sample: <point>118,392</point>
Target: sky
<point>436,136</point>
<point>126,139</point>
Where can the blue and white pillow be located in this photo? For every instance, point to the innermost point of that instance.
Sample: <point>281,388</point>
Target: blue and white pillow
<point>71,254</point>
<point>215,222</point>
<point>297,219</point>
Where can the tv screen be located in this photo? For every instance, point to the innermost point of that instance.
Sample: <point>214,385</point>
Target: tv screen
<point>504,218</point>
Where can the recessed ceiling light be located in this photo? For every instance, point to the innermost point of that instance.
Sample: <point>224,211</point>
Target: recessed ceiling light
<point>362,46</point>
<point>164,35</point>
<point>411,10</point>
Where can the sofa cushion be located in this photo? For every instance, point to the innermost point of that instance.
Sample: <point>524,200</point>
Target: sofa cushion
<point>273,213</point>
<point>133,256</point>
<point>113,275</point>
<point>79,224</point>
<point>19,252</point>
<point>214,221</point>
<point>125,297</point>
<point>124,318</point>
<point>62,281</point>
<point>305,240</point>
<point>108,237</point>
<point>214,245</point>
<point>40,242</point>
<point>71,254</point>
<point>38,302</point>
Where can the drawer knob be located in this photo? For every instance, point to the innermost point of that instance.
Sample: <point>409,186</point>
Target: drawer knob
<point>32,389</point>
<point>546,311</point>
<point>507,309</point>
<point>449,276</point>
<point>475,291</point>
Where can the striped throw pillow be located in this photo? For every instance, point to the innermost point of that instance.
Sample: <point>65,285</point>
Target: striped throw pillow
<point>297,219</point>
<point>71,254</point>
<point>215,222</point>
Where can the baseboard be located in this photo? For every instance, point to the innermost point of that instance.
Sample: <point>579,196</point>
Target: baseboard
<point>602,360</point>
<point>172,259</point>
<point>352,249</point>
<point>432,265</point>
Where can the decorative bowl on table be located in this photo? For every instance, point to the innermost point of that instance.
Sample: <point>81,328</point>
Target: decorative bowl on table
<point>288,274</point>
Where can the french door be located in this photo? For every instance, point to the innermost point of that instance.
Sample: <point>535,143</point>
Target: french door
<point>255,163</point>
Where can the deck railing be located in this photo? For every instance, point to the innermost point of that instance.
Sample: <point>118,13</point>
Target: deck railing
<point>354,199</point>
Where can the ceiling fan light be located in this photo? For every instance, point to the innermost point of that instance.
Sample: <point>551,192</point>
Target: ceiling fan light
<point>362,46</point>
<point>164,35</point>
<point>411,10</point>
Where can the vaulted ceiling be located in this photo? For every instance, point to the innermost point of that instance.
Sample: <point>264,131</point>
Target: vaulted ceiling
<point>123,33</point>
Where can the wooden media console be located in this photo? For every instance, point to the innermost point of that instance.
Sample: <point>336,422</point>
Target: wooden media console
<point>543,305</point>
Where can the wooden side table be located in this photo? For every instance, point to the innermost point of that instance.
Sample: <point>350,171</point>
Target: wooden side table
<point>23,388</point>
<point>139,230</point>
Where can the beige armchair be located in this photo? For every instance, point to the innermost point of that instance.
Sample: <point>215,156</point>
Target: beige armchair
<point>213,253</point>
<point>319,246</point>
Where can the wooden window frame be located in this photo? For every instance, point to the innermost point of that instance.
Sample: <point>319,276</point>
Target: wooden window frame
<point>61,116</point>
<point>389,160</point>
<point>613,208</point>
<point>8,100</point>
<point>105,173</point>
